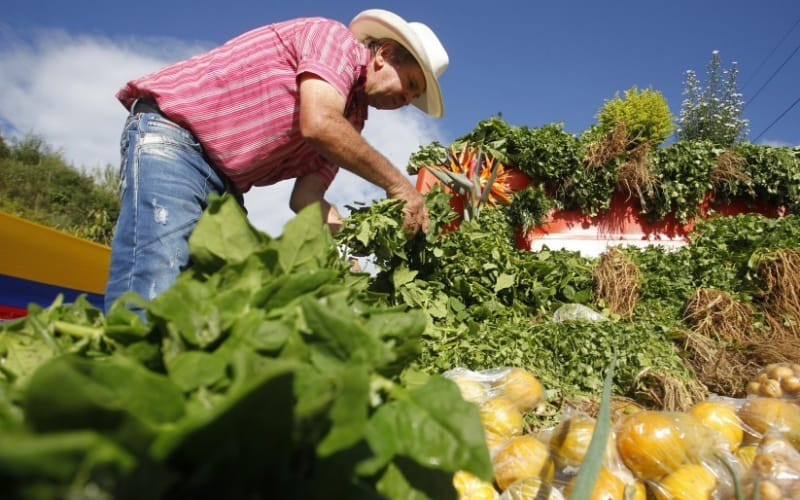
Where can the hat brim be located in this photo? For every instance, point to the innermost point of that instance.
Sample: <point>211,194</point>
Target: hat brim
<point>377,24</point>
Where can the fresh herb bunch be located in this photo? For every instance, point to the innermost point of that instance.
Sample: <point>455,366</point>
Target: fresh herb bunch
<point>775,172</point>
<point>432,154</point>
<point>719,256</point>
<point>553,157</point>
<point>529,207</point>
<point>376,230</point>
<point>569,357</point>
<point>547,154</point>
<point>491,135</point>
<point>682,179</point>
<point>721,249</point>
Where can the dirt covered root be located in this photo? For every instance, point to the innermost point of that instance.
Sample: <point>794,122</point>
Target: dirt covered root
<point>717,314</point>
<point>728,171</point>
<point>607,149</point>
<point>616,283</point>
<point>782,326</point>
<point>635,177</point>
<point>590,405</point>
<point>665,391</point>
<point>779,272</point>
<point>772,351</point>
<point>723,368</point>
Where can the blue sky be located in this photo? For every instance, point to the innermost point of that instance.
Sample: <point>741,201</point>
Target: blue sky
<point>535,62</point>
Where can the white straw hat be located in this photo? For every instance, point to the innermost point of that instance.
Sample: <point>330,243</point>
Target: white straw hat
<point>419,40</point>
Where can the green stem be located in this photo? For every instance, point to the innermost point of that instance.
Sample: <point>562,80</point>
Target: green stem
<point>593,461</point>
<point>78,331</point>
<point>395,391</point>
<point>737,488</point>
<point>48,339</point>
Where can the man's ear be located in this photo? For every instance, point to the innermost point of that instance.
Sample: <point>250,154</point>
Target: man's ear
<point>379,59</point>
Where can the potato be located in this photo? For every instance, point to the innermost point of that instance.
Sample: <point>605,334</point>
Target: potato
<point>771,389</point>
<point>791,384</point>
<point>769,491</point>
<point>780,372</point>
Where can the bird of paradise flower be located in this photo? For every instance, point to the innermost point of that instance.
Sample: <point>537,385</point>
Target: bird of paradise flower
<point>477,177</point>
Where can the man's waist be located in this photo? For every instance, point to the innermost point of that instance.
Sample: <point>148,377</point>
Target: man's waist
<point>146,105</point>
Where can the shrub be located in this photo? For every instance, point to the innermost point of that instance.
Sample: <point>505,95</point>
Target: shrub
<point>645,114</point>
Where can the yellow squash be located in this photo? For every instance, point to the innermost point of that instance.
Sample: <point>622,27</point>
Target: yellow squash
<point>470,487</point>
<point>687,482</point>
<point>501,418</point>
<point>520,387</point>
<point>722,418</point>
<point>650,444</point>
<point>523,456</point>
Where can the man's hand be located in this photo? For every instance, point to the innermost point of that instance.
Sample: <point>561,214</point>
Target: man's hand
<point>415,214</point>
<point>325,129</point>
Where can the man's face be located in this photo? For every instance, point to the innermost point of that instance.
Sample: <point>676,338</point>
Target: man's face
<point>390,85</point>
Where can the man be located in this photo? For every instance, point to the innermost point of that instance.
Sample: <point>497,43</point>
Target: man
<point>284,101</point>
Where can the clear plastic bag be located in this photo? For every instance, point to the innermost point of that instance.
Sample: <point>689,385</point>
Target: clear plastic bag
<point>577,312</point>
<point>532,488</point>
<point>762,416</point>
<point>504,396</point>
<point>569,441</point>
<point>775,472</point>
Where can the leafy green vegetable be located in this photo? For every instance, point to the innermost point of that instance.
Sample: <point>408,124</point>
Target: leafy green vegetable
<point>264,371</point>
<point>529,207</point>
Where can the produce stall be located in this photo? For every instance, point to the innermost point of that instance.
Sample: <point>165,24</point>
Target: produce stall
<point>467,366</point>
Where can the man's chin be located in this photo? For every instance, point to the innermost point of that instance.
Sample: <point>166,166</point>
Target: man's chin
<point>385,105</point>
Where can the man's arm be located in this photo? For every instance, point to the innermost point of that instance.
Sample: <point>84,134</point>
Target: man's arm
<point>311,188</point>
<point>324,127</point>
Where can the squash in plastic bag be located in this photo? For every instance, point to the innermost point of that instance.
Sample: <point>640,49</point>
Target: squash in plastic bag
<point>650,444</point>
<point>523,456</point>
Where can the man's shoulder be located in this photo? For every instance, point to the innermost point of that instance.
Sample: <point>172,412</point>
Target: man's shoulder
<point>304,22</point>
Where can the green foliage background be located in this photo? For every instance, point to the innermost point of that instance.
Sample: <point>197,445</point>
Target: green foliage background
<point>39,185</point>
<point>681,172</point>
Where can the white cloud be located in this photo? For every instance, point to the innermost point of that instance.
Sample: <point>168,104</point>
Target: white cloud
<point>61,87</point>
<point>776,144</point>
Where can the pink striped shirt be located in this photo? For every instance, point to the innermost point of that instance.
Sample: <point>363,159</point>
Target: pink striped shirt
<point>241,99</point>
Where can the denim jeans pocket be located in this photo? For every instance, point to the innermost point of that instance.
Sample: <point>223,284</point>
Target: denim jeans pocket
<point>169,134</point>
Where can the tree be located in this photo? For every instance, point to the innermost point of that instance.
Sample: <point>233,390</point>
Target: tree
<point>713,113</point>
<point>5,152</point>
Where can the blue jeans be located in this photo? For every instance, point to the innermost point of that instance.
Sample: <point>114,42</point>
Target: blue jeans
<point>165,181</point>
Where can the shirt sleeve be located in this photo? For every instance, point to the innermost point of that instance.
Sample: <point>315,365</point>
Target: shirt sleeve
<point>329,50</point>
